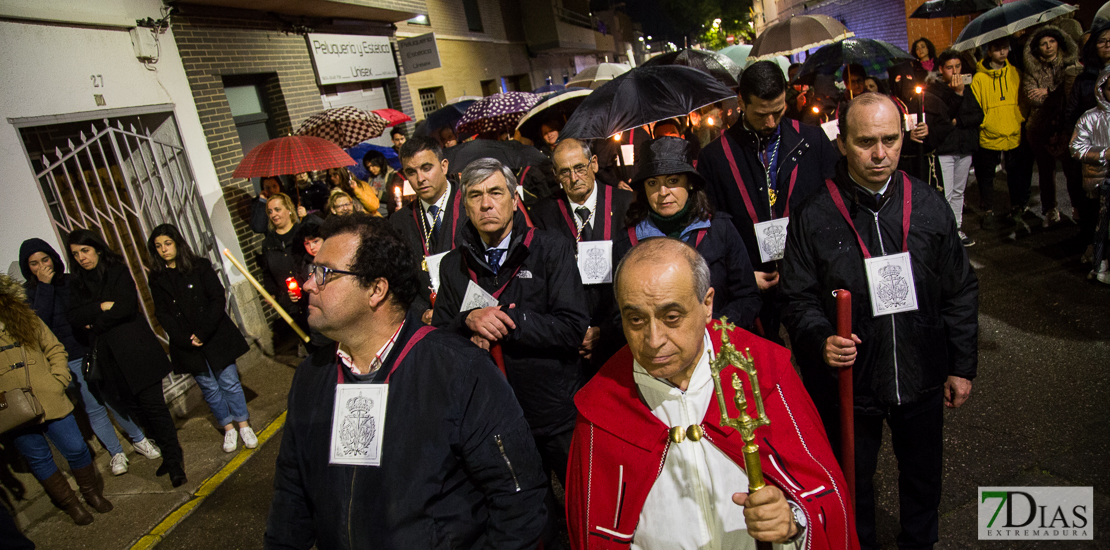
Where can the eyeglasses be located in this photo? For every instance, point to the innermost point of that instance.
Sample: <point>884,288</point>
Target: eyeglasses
<point>1103,42</point>
<point>320,274</point>
<point>580,169</point>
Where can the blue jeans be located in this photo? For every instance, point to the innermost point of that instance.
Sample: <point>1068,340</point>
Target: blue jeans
<point>65,435</point>
<point>224,394</point>
<point>97,409</point>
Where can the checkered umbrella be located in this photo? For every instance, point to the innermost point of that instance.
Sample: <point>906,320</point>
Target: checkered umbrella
<point>875,56</point>
<point>496,113</point>
<point>392,116</point>
<point>291,155</point>
<point>344,126</point>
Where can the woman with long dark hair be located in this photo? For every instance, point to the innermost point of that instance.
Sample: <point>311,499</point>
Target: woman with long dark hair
<point>29,352</point>
<point>383,179</point>
<point>671,202</point>
<point>129,361</point>
<point>925,57</point>
<point>48,291</point>
<point>190,305</point>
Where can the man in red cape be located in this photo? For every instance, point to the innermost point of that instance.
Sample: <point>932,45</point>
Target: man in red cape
<point>651,466</point>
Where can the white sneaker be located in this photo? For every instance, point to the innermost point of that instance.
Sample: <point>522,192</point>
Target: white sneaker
<point>119,464</point>
<point>231,441</point>
<point>147,449</point>
<point>250,441</point>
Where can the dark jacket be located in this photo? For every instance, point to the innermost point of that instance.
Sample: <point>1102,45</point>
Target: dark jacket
<point>961,138</point>
<point>804,147</point>
<point>281,257</point>
<point>193,303</point>
<point>51,301</point>
<point>409,223</point>
<point>541,354</point>
<point>459,468</point>
<point>600,301</point>
<point>314,197</point>
<point>735,294</point>
<point>906,356</point>
<point>121,335</point>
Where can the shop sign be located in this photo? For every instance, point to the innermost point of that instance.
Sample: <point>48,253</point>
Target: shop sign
<point>419,53</point>
<point>339,58</point>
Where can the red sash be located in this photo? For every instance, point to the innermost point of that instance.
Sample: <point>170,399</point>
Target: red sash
<point>907,208</point>
<point>416,337</point>
<point>608,194</point>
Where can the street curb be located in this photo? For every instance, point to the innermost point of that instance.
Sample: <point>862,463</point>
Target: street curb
<point>151,539</point>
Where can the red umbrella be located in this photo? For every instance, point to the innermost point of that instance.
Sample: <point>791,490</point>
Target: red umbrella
<point>392,116</point>
<point>291,155</point>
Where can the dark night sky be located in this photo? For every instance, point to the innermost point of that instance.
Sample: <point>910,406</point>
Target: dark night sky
<point>650,14</point>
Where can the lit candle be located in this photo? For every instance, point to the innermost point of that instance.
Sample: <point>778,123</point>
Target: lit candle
<point>921,99</point>
<point>709,120</point>
<point>617,136</point>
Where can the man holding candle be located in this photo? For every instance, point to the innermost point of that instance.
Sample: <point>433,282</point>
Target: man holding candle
<point>761,169</point>
<point>652,467</point>
<point>892,242</point>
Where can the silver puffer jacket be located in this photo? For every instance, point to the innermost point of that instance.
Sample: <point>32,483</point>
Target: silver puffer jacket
<point>1092,132</point>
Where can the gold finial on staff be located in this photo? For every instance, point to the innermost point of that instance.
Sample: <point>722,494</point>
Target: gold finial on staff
<point>745,424</point>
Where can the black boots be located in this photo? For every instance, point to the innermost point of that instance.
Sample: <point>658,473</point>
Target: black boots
<point>176,471</point>
<point>59,490</point>
<point>90,483</point>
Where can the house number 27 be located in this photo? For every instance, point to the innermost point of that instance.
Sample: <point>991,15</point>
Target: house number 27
<point>97,80</point>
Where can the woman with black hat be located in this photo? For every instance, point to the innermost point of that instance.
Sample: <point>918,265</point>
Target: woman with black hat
<point>671,202</point>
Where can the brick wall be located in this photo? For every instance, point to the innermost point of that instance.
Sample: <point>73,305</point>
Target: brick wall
<point>942,31</point>
<point>214,47</point>
<point>876,19</point>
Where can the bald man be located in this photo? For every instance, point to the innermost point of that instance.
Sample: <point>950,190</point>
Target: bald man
<point>652,468</point>
<point>914,312</point>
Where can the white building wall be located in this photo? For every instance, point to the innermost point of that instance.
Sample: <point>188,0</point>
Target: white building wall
<point>46,68</point>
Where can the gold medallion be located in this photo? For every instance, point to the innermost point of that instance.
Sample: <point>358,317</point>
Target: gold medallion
<point>772,196</point>
<point>694,432</point>
<point>424,264</point>
<point>678,435</point>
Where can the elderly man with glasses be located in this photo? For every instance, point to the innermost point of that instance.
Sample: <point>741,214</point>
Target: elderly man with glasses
<point>399,436</point>
<point>586,211</point>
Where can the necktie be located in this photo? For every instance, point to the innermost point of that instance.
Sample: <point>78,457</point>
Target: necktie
<point>583,214</point>
<point>493,256</point>
<point>436,223</point>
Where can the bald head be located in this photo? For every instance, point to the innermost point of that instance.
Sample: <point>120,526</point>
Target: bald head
<point>871,139</point>
<point>665,300</point>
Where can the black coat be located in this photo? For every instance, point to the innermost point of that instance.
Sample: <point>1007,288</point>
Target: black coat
<point>409,223</point>
<point>122,331</point>
<point>600,301</point>
<point>281,257</point>
<point>735,294</point>
<point>193,303</point>
<point>459,467</point>
<point>541,354</point>
<point>906,356</point>
<point>961,138</point>
<point>51,301</point>
<point>805,147</point>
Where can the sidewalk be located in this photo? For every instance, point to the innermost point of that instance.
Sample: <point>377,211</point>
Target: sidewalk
<point>141,499</point>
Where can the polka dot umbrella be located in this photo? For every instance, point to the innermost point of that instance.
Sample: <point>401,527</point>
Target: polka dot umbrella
<point>496,113</point>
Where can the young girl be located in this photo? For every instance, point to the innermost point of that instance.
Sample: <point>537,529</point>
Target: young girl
<point>189,303</point>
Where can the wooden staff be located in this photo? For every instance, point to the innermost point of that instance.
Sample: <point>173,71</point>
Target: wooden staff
<point>847,395</point>
<point>266,295</point>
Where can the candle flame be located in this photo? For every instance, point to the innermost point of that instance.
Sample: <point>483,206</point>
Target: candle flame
<point>617,136</point>
<point>709,121</point>
<point>918,89</point>
<point>816,110</point>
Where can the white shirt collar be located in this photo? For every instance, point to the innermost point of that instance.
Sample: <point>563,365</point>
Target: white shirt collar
<point>590,204</point>
<point>880,191</point>
<point>379,358</point>
<point>441,203</point>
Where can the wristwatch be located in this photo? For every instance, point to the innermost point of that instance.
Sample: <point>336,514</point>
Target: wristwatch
<point>799,522</point>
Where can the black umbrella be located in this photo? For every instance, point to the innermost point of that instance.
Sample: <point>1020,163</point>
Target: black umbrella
<point>714,64</point>
<point>1008,19</point>
<point>875,56</point>
<point>513,154</point>
<point>446,116</point>
<point>951,8</point>
<point>642,96</point>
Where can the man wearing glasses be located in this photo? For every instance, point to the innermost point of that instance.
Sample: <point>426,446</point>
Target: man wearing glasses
<point>399,436</point>
<point>586,212</point>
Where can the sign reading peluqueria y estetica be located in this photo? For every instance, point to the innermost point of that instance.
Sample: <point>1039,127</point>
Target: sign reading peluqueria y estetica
<point>340,58</point>
<point>1036,513</point>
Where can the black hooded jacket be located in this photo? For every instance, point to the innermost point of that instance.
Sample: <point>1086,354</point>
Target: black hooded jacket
<point>906,356</point>
<point>541,354</point>
<point>51,301</point>
<point>961,138</point>
<point>459,468</point>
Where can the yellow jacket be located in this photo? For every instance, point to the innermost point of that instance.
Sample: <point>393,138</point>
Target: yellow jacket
<point>997,91</point>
